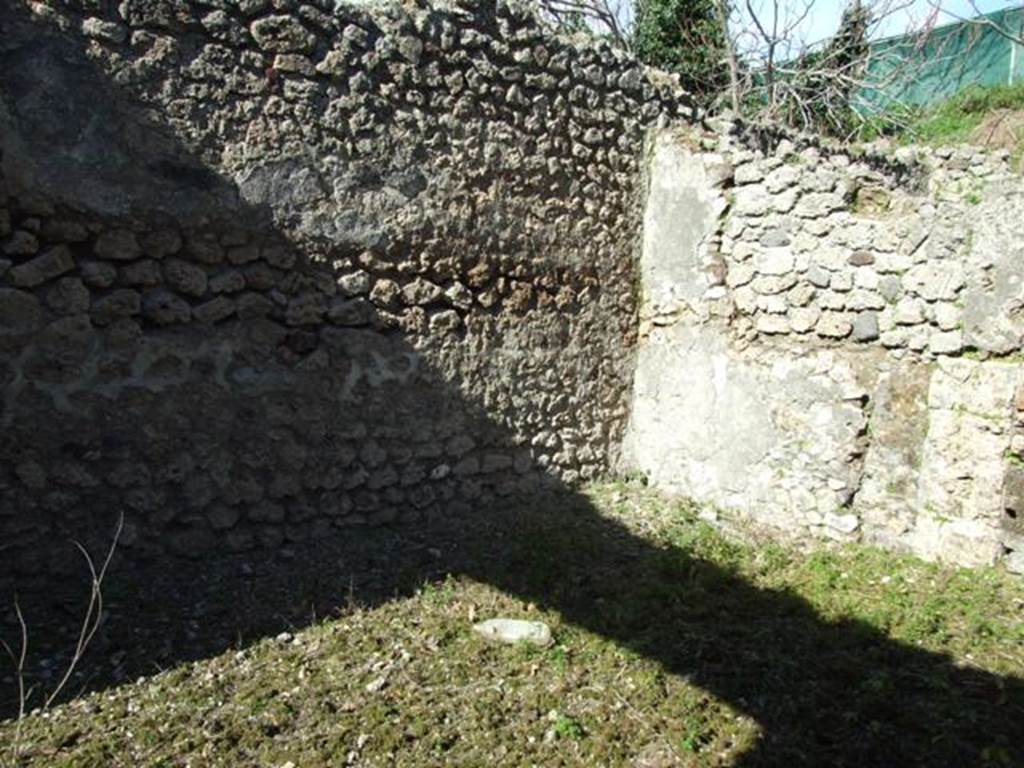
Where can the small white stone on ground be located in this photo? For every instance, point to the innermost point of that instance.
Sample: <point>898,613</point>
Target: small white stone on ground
<point>515,631</point>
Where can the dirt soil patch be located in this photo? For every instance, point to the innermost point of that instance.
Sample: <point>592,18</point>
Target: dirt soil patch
<point>1002,129</point>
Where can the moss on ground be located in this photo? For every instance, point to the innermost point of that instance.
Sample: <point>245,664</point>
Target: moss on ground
<point>674,646</point>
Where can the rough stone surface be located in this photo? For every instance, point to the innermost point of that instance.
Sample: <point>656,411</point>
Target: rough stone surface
<point>865,326</point>
<point>276,270</point>
<point>117,245</point>
<point>674,250</point>
<point>56,261</point>
<point>994,296</point>
<point>296,270</point>
<point>931,259</point>
<point>820,388</point>
<point>765,411</point>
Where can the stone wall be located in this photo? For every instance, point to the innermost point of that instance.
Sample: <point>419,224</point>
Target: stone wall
<point>269,269</point>
<point>832,347</point>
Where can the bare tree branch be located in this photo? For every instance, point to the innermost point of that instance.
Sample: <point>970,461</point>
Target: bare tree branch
<point>731,58</point>
<point>93,613</point>
<point>604,17</point>
<point>818,84</point>
<point>980,20</point>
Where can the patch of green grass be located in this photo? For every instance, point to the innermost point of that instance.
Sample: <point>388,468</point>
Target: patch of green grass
<point>674,645</point>
<point>953,121</point>
<point>441,593</point>
<point>567,727</point>
<point>949,122</point>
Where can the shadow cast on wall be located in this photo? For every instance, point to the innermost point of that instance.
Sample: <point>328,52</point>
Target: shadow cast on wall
<point>311,411</point>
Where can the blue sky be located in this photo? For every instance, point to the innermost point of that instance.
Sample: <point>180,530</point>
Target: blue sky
<point>824,19</point>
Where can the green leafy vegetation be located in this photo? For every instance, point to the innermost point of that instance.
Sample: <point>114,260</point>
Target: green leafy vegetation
<point>685,37</point>
<point>992,117</point>
<point>956,120</point>
<point>674,645</point>
<point>568,727</point>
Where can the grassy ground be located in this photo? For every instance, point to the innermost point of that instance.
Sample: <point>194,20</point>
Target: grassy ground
<point>955,121</point>
<point>673,647</point>
<point>992,117</point>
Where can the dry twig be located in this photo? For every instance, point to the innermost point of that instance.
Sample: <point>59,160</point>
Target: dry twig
<point>90,624</point>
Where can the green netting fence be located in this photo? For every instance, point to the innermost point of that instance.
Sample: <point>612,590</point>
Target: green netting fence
<point>923,69</point>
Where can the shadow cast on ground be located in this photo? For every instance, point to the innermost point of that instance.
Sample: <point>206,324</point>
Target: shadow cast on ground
<point>551,547</point>
<point>766,652</point>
